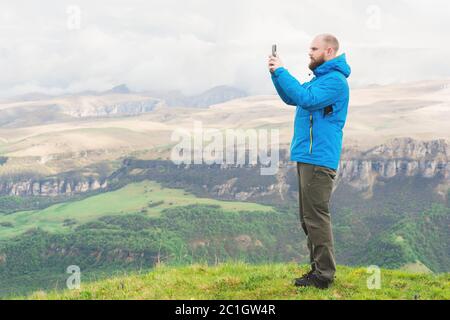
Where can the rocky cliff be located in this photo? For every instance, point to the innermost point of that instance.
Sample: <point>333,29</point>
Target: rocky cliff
<point>399,157</point>
<point>360,169</point>
<point>124,108</point>
<point>52,186</point>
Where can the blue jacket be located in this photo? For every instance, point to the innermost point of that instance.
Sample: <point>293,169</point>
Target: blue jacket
<point>321,111</point>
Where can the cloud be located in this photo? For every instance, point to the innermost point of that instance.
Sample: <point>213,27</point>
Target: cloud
<point>193,45</point>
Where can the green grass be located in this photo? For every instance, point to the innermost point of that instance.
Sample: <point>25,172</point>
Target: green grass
<point>129,199</point>
<point>243,281</point>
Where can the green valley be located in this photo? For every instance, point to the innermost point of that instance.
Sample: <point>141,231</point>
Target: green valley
<point>145,196</point>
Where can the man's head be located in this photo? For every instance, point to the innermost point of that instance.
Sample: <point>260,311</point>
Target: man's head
<point>324,47</point>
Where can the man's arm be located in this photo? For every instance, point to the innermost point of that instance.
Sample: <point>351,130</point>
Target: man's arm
<point>275,64</point>
<point>316,96</point>
<point>280,91</point>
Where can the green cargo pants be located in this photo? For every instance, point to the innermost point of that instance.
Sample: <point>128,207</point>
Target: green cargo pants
<point>315,186</point>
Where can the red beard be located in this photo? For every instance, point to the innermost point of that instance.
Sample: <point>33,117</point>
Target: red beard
<point>315,63</point>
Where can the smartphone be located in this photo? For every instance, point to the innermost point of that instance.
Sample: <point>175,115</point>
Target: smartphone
<point>274,50</point>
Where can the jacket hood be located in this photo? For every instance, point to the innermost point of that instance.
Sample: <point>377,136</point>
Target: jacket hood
<point>337,64</point>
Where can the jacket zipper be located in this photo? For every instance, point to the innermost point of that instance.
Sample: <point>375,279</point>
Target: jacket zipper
<point>310,132</point>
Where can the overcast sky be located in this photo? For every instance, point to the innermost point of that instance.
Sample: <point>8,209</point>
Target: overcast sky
<point>45,46</point>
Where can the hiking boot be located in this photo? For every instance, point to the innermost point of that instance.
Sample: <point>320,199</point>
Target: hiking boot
<point>312,280</point>
<point>305,276</point>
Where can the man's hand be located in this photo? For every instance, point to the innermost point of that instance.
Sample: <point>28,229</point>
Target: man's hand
<point>274,63</point>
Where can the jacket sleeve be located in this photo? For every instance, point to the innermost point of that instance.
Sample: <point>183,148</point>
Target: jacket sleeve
<point>280,91</point>
<point>317,96</point>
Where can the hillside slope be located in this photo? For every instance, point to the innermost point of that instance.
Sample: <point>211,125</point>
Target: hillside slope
<point>244,281</point>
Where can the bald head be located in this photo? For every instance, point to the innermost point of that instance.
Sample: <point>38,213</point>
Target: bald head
<point>329,41</point>
<point>324,47</point>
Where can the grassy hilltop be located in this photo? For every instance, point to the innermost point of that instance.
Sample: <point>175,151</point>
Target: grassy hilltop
<point>245,281</point>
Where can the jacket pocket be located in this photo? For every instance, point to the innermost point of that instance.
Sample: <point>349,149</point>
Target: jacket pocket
<point>328,111</point>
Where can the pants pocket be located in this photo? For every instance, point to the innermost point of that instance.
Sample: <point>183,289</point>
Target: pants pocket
<point>320,188</point>
<point>326,171</point>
